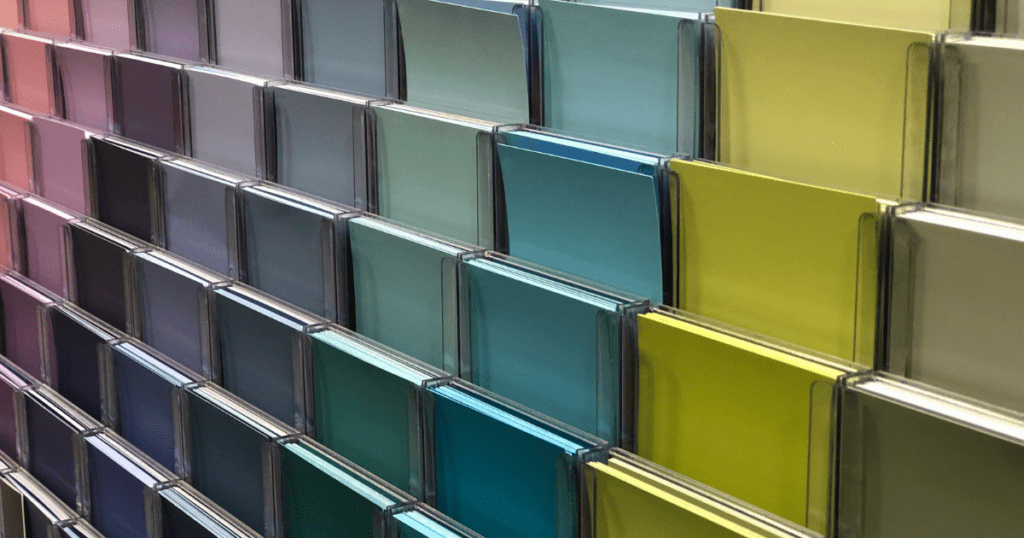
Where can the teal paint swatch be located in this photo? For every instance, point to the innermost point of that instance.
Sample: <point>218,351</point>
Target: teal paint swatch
<point>499,472</point>
<point>365,406</point>
<point>592,221</point>
<point>465,61</point>
<point>322,496</point>
<point>397,276</point>
<point>538,341</point>
<point>648,66</point>
<point>428,174</point>
<point>425,522</point>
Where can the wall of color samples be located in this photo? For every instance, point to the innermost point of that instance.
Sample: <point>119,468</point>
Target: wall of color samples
<point>287,301</point>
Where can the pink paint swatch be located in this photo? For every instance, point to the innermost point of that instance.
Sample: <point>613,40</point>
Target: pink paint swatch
<point>55,17</point>
<point>85,81</point>
<point>44,243</point>
<point>16,149</point>
<point>107,23</point>
<point>61,171</point>
<point>30,71</point>
<point>10,257</point>
<point>10,14</point>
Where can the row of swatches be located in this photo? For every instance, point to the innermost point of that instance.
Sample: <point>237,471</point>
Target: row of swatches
<point>498,466</point>
<point>125,493</point>
<point>29,510</point>
<point>700,386</point>
<point>855,106</point>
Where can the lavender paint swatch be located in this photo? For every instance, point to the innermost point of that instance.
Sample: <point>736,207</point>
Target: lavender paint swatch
<point>196,222</point>
<point>223,119</point>
<point>108,23</point>
<point>12,379</point>
<point>148,100</point>
<point>345,45</point>
<point>21,304</point>
<point>250,36</point>
<point>97,271</point>
<point>122,175</point>
<point>171,28</point>
<point>316,143</point>
<point>44,243</point>
<point>61,163</point>
<point>73,354</point>
<point>85,79</point>
<point>168,305</point>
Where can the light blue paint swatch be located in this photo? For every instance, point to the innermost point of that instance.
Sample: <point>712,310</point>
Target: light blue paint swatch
<point>647,65</point>
<point>595,222</point>
<point>345,45</point>
<point>397,290</point>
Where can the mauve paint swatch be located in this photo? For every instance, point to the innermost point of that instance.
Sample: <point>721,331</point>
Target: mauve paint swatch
<point>10,381</point>
<point>108,23</point>
<point>44,243</point>
<point>344,45</point>
<point>116,491</point>
<point>227,461</point>
<point>10,223</point>
<point>223,119</point>
<point>98,272</point>
<point>51,457</point>
<point>61,173</point>
<point>171,28</point>
<point>148,100</point>
<point>145,384</point>
<point>122,183</point>
<point>56,17</point>
<point>16,148</point>
<point>196,216</point>
<point>249,36</point>
<point>29,71</point>
<point>74,356</point>
<point>21,306</point>
<point>85,79</point>
<point>168,305</point>
<point>315,143</point>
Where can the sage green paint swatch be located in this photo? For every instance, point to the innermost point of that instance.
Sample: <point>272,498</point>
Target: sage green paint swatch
<point>397,279</point>
<point>464,60</point>
<point>623,76</point>
<point>428,173</point>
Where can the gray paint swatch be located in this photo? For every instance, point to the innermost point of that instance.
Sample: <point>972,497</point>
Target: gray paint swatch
<point>196,222</point>
<point>223,119</point>
<point>316,143</point>
<point>345,45</point>
<point>250,36</point>
<point>171,28</point>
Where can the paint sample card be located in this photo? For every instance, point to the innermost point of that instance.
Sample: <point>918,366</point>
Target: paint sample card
<point>73,341</point>
<point>923,15</point>
<point>653,59</point>
<point>581,217</point>
<point>791,261</point>
<point>249,36</point>
<point>86,75</point>
<point>148,101</point>
<point>29,72</point>
<point>44,244</point>
<point>16,148</point>
<point>223,122</point>
<point>349,46</point>
<point>62,163</point>
<point>171,28</point>
<point>465,61</point>
<point>838,105</point>
<point>748,418</point>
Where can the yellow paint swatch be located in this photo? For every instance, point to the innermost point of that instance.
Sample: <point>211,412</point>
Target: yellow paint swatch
<point>788,260</point>
<point>833,104</point>
<point>630,502</point>
<point>925,15</point>
<point>750,420</point>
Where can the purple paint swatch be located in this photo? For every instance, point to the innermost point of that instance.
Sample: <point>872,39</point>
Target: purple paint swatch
<point>11,224</point>
<point>172,28</point>
<point>116,488</point>
<point>21,303</point>
<point>85,79</point>
<point>108,23</point>
<point>122,173</point>
<point>73,355</point>
<point>12,379</point>
<point>148,101</point>
<point>60,176</point>
<point>97,271</point>
<point>44,243</point>
<point>50,445</point>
